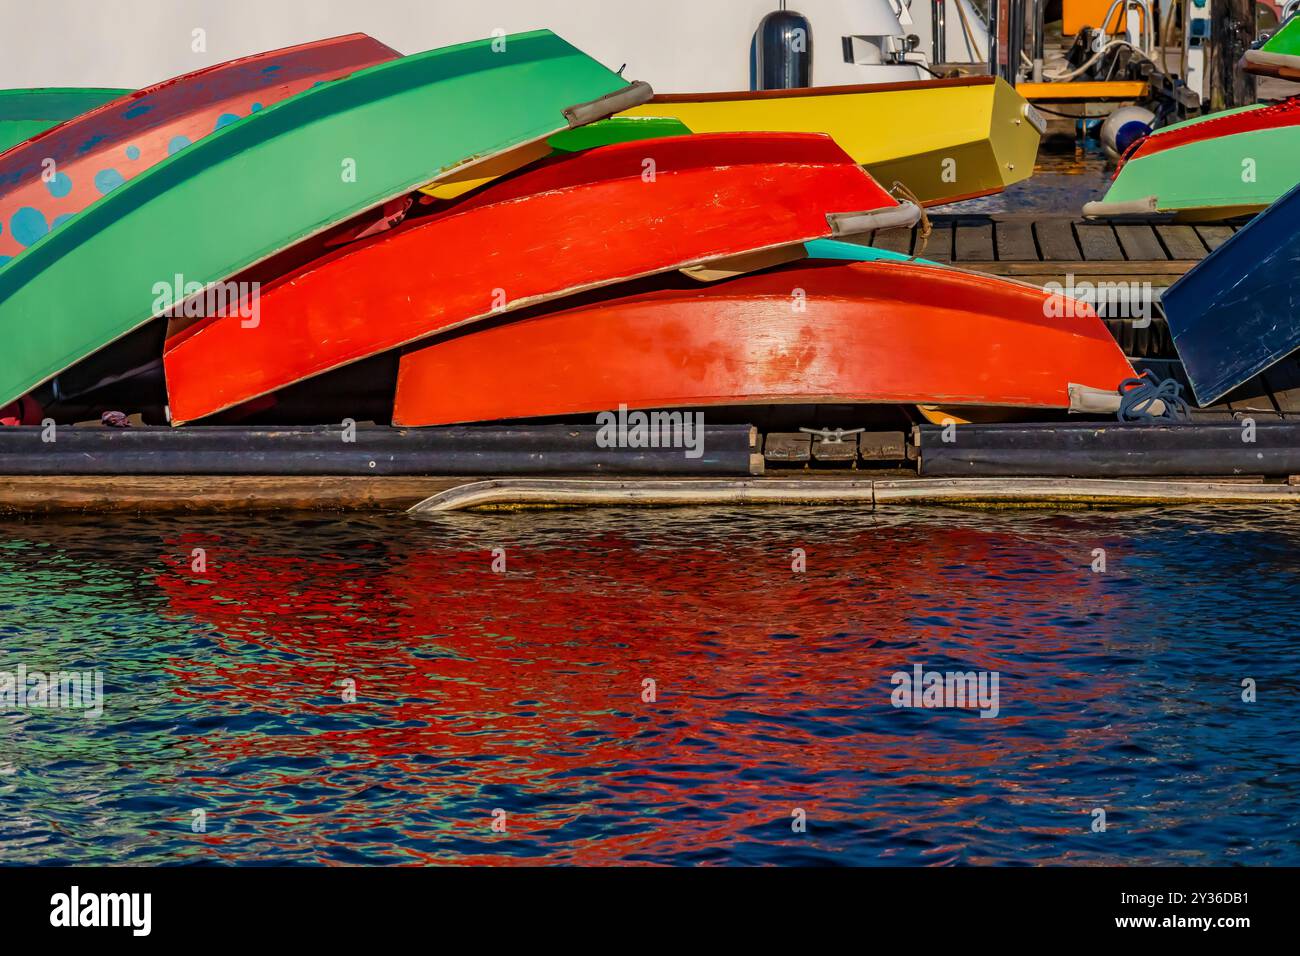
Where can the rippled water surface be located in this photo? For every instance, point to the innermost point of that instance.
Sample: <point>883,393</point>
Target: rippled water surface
<point>522,690</point>
<point>1064,179</point>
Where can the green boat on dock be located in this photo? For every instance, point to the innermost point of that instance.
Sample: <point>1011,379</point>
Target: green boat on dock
<point>280,176</point>
<point>24,113</point>
<point>1227,164</point>
<point>1279,55</point>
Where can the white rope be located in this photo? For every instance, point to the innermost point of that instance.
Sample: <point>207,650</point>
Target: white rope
<point>1087,64</point>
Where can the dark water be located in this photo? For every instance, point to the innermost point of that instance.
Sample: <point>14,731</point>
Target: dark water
<point>522,691</point>
<point>1064,179</point>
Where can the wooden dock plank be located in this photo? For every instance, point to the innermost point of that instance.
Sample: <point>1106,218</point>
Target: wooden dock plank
<point>915,490</point>
<point>1161,273</point>
<point>1098,242</point>
<point>1283,383</point>
<point>895,240</point>
<point>1214,235</point>
<point>183,493</point>
<point>882,446</point>
<point>1139,241</point>
<point>1053,248</point>
<point>1015,242</point>
<point>1253,400</point>
<point>868,494</point>
<point>844,451</point>
<point>787,447</point>
<point>939,248</point>
<point>1181,242</point>
<point>973,242</point>
<point>1056,240</point>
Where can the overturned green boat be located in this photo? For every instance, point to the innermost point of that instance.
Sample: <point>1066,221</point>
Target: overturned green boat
<point>280,176</point>
<point>1279,55</point>
<point>1213,167</point>
<point>24,113</point>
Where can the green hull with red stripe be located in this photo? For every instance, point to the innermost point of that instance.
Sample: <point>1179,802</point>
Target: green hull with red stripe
<point>1227,164</point>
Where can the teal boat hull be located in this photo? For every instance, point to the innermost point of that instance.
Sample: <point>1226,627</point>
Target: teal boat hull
<point>852,252</point>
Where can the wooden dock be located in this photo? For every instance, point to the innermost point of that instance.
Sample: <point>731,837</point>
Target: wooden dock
<point>187,494</point>
<point>95,494</point>
<point>872,495</point>
<point>1041,249</point>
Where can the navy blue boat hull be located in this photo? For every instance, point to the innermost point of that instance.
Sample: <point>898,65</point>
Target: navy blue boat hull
<point>1238,311</point>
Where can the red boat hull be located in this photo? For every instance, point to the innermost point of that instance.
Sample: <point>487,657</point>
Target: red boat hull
<point>867,333</point>
<point>577,223</point>
<point>98,151</point>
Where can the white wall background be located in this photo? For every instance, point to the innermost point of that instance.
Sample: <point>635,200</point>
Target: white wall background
<point>675,45</point>
<point>132,43</point>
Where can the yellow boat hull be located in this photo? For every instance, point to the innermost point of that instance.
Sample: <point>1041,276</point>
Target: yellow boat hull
<point>944,140</point>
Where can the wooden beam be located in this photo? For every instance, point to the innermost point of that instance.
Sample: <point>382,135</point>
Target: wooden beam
<point>844,451</point>
<point>1182,241</point>
<point>1015,242</point>
<point>1098,242</point>
<point>1056,240</point>
<point>973,240</point>
<point>185,495</point>
<point>1081,491</point>
<point>1082,90</point>
<point>1162,271</point>
<point>787,447</point>
<point>148,493</point>
<point>516,493</point>
<point>1139,242</point>
<point>882,446</point>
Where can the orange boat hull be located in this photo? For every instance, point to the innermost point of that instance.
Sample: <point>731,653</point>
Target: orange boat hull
<point>825,333</point>
<point>590,220</point>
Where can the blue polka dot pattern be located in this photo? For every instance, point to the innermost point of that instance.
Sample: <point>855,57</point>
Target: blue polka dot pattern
<point>106,180</point>
<point>28,225</point>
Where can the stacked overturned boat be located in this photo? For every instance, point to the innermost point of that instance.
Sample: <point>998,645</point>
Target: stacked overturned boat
<point>503,239</point>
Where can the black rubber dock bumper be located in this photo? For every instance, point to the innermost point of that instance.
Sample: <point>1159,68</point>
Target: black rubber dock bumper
<point>372,450</point>
<point>1110,450</point>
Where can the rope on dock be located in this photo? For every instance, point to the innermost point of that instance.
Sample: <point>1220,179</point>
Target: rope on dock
<point>924,228</point>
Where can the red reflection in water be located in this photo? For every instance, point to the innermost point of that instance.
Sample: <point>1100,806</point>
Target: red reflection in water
<point>773,686</point>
